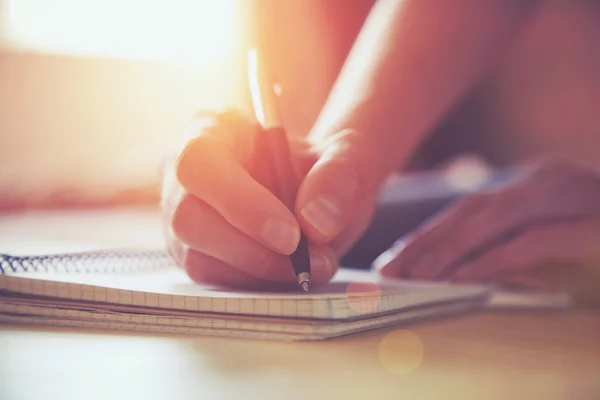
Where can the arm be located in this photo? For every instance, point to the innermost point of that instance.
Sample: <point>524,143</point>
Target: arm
<point>412,62</point>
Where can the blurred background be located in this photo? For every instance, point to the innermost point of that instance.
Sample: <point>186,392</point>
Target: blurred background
<point>93,92</point>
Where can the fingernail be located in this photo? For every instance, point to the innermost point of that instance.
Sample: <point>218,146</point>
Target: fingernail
<point>320,264</point>
<point>323,214</point>
<point>281,235</point>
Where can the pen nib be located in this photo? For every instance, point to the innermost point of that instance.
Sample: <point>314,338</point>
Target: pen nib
<point>304,280</point>
<point>305,285</point>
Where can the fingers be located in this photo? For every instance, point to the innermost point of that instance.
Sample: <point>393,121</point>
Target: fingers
<point>563,189</point>
<point>210,169</point>
<point>201,227</point>
<point>475,229</point>
<point>420,253</point>
<point>328,197</point>
<point>208,270</point>
<point>553,191</point>
<point>547,257</point>
<point>567,242</point>
<point>503,236</point>
<point>204,230</point>
<point>224,224</point>
<point>474,224</point>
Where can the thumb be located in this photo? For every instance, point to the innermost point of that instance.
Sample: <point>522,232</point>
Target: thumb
<point>348,170</point>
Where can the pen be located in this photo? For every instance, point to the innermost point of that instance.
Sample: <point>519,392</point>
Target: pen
<point>275,140</point>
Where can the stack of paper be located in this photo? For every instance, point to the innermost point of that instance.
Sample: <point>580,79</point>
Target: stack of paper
<point>165,300</point>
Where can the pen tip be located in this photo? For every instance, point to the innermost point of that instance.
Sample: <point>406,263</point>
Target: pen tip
<point>305,285</point>
<point>304,280</point>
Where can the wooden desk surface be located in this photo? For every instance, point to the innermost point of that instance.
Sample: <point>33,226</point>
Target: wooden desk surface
<point>486,356</point>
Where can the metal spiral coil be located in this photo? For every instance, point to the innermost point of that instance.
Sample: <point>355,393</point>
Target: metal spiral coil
<point>87,262</point>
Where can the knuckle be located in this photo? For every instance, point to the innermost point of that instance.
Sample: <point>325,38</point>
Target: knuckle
<point>236,132</point>
<point>558,171</point>
<point>203,126</point>
<point>568,183</point>
<point>196,160</point>
<point>359,153</point>
<point>544,177</point>
<point>225,116</point>
<point>181,215</point>
<point>221,122</point>
<point>209,130</point>
<point>234,120</point>
<point>554,165</point>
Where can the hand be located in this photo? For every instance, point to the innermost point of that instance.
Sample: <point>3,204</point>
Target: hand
<point>226,227</point>
<point>543,224</point>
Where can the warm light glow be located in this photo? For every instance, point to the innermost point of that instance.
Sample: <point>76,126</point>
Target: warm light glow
<point>201,31</point>
<point>401,352</point>
<point>255,86</point>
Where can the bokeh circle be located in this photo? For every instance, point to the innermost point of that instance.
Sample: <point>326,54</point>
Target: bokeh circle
<point>401,352</point>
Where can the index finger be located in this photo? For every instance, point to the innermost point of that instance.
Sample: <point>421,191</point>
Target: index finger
<point>209,169</point>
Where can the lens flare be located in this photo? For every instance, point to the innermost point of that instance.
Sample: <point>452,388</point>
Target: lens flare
<point>401,352</point>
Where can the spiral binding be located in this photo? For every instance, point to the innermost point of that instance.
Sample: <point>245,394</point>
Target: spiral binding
<point>87,262</point>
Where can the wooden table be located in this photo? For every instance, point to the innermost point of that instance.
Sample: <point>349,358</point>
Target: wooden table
<point>499,356</point>
<point>482,356</point>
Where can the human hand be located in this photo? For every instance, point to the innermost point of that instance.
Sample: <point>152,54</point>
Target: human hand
<point>225,226</point>
<point>539,231</point>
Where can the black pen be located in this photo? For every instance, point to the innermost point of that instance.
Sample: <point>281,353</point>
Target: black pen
<point>275,140</point>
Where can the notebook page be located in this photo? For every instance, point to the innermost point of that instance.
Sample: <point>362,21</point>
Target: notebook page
<point>170,288</point>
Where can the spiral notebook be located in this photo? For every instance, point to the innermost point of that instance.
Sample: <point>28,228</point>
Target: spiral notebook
<point>146,291</point>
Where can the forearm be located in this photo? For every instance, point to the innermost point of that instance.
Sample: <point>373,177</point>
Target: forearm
<point>412,61</point>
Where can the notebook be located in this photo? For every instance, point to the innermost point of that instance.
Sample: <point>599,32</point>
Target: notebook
<point>145,291</point>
